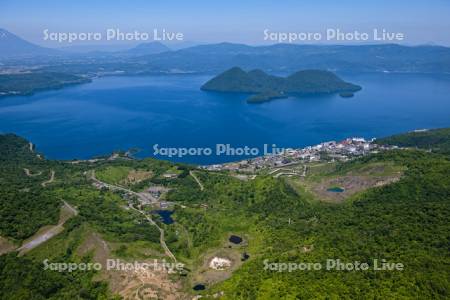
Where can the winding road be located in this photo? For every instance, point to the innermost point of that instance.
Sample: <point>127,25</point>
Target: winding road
<point>28,172</point>
<point>52,178</point>
<point>162,240</point>
<point>198,181</point>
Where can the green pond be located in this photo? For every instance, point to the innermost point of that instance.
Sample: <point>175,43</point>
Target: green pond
<point>335,189</point>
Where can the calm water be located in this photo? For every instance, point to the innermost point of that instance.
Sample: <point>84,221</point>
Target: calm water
<point>123,112</point>
<point>336,190</point>
<point>166,216</point>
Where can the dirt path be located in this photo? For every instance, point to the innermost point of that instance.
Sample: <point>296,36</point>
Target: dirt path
<point>47,232</point>
<point>6,245</point>
<point>143,198</point>
<point>162,239</point>
<point>274,171</point>
<point>150,220</point>
<point>196,179</point>
<point>28,172</point>
<point>285,174</point>
<point>52,178</point>
<point>40,238</point>
<point>71,208</point>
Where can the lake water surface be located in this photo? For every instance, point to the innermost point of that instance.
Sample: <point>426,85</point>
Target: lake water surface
<point>124,112</point>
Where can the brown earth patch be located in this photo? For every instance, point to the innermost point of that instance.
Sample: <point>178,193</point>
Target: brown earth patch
<point>131,284</point>
<point>351,184</point>
<point>136,176</point>
<point>6,245</point>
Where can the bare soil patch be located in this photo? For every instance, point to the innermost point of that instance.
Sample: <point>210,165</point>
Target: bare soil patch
<point>6,245</point>
<point>351,184</point>
<point>207,275</point>
<point>132,284</point>
<point>337,188</point>
<point>136,176</point>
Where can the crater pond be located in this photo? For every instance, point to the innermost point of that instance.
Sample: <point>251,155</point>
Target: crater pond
<point>113,113</point>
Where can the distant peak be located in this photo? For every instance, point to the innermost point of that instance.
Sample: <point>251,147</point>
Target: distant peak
<point>257,72</point>
<point>227,44</point>
<point>4,33</point>
<point>234,70</point>
<point>150,44</point>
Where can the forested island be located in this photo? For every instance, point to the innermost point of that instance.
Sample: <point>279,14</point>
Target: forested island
<point>267,87</point>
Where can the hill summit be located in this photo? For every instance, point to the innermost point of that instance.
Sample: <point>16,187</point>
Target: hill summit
<point>13,46</point>
<point>267,87</point>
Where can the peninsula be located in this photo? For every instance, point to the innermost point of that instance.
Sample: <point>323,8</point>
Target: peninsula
<point>27,83</point>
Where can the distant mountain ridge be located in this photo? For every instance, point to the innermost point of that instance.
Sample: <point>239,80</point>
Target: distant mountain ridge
<point>148,48</point>
<point>13,46</point>
<point>288,58</point>
<point>278,58</point>
<point>268,87</point>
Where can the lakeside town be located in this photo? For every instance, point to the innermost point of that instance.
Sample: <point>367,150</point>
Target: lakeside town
<point>327,151</point>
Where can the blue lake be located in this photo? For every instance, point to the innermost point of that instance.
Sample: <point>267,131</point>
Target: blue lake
<point>114,113</point>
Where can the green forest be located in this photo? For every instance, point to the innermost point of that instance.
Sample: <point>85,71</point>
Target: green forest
<point>29,83</point>
<point>403,222</point>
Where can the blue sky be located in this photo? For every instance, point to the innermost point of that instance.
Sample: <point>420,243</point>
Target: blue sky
<point>234,21</point>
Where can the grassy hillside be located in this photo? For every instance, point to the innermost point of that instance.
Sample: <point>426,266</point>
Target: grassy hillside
<point>437,140</point>
<point>402,222</point>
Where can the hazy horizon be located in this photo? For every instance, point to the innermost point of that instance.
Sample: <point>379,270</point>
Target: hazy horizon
<point>198,22</point>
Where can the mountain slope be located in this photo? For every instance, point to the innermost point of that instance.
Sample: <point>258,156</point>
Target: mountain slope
<point>289,58</point>
<point>147,48</point>
<point>13,46</point>
<point>317,81</point>
<point>436,140</point>
<point>234,80</point>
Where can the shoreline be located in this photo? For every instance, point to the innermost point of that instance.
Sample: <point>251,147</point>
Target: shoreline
<point>90,79</point>
<point>352,146</point>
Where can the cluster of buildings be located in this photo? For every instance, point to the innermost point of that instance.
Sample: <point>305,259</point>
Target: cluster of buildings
<point>327,151</point>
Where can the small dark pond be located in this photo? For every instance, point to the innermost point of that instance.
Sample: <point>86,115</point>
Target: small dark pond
<point>199,287</point>
<point>166,216</point>
<point>235,239</point>
<point>335,189</point>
